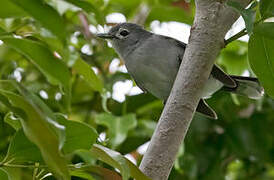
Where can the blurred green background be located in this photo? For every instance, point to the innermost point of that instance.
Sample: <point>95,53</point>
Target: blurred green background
<point>83,80</point>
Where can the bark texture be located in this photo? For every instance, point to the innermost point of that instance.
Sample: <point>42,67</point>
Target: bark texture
<point>213,19</point>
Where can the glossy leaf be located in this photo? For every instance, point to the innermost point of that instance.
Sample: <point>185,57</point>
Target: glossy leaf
<point>88,75</point>
<point>21,150</point>
<point>78,135</point>
<point>118,161</point>
<point>248,15</point>
<point>98,172</point>
<point>261,60</point>
<point>138,136</point>
<point>82,174</point>
<point>86,156</point>
<point>265,29</point>
<point>54,69</point>
<point>45,14</point>
<point>12,121</point>
<point>266,8</point>
<point>38,129</point>
<point>118,127</point>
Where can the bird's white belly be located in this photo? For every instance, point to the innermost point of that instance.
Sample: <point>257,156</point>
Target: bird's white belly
<point>212,85</point>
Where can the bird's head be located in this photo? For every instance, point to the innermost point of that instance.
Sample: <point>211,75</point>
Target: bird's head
<point>125,36</point>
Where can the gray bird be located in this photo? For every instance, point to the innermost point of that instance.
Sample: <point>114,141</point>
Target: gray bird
<point>154,60</point>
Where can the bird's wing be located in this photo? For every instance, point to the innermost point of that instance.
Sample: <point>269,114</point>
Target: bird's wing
<point>216,72</point>
<point>139,84</point>
<point>220,75</point>
<point>177,42</point>
<point>204,108</point>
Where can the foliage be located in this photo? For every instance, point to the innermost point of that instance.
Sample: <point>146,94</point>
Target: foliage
<point>56,103</point>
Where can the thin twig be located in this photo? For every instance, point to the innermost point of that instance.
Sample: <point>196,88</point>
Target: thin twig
<point>23,166</point>
<point>142,15</point>
<point>240,34</point>
<point>236,36</point>
<point>88,35</point>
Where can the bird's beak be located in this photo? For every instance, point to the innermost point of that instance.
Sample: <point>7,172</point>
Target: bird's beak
<point>105,36</point>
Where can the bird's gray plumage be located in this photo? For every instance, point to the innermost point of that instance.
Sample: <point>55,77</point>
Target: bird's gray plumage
<point>154,60</point>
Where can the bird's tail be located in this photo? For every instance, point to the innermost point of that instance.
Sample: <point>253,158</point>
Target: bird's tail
<point>246,86</point>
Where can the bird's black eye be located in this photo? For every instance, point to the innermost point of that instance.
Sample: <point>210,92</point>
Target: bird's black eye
<point>124,32</point>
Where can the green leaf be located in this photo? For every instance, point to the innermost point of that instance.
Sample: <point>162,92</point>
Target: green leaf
<point>45,14</point>
<point>13,121</point>
<point>103,173</point>
<point>265,29</point>
<point>12,173</point>
<point>249,18</point>
<point>249,15</point>
<point>22,151</point>
<point>234,58</point>
<point>82,174</point>
<point>9,9</point>
<point>138,136</point>
<point>261,60</point>
<point>85,5</point>
<point>118,161</point>
<point>88,75</point>
<point>53,43</point>
<point>86,156</point>
<point>78,135</point>
<point>39,129</point>
<point>118,127</point>
<point>53,68</point>
<point>3,175</point>
<point>266,8</point>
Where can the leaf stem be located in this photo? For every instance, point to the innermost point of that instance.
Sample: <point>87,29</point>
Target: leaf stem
<point>71,166</point>
<point>236,36</point>
<point>23,166</point>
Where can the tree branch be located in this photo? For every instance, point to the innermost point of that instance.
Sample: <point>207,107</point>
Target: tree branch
<point>213,19</point>
<point>82,17</point>
<point>142,14</point>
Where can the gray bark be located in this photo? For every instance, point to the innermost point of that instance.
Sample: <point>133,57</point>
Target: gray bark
<point>142,14</point>
<point>213,19</point>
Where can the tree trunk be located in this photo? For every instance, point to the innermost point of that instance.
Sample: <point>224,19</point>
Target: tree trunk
<point>213,19</point>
